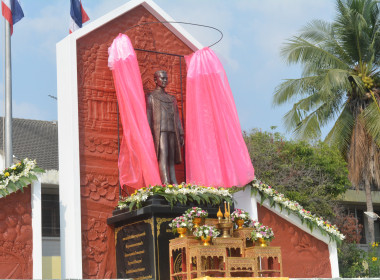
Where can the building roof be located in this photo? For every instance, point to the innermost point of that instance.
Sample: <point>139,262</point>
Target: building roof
<point>34,139</point>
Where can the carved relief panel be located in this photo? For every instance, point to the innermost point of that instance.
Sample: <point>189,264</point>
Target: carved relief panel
<point>16,236</point>
<point>99,127</point>
<point>304,255</point>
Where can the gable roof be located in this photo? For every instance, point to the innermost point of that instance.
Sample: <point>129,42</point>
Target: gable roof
<point>153,8</point>
<point>34,139</point>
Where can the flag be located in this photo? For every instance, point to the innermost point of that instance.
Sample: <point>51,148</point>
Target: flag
<point>12,11</point>
<point>78,15</point>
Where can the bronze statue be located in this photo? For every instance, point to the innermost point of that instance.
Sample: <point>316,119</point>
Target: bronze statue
<point>166,127</point>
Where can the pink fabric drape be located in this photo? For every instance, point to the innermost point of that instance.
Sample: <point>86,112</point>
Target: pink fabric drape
<point>137,160</point>
<point>216,154</point>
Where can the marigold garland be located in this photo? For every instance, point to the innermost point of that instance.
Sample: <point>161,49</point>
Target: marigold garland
<point>18,176</point>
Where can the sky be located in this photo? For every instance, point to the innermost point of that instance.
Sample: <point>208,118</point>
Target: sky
<point>253,33</point>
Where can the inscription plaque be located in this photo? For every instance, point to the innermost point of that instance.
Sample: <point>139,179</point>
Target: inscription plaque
<point>142,240</point>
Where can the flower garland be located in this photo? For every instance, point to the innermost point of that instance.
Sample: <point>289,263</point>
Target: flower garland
<point>182,194</point>
<point>18,176</point>
<point>312,221</point>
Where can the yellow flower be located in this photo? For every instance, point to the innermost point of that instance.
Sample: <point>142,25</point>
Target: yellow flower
<point>180,186</point>
<point>18,164</point>
<point>170,186</point>
<point>374,259</point>
<point>6,174</point>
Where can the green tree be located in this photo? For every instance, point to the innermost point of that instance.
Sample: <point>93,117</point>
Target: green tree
<point>313,175</point>
<point>340,82</point>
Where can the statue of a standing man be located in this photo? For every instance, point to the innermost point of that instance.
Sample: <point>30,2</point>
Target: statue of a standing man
<point>165,124</point>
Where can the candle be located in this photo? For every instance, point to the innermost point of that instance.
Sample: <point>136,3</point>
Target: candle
<point>229,211</point>
<point>225,209</point>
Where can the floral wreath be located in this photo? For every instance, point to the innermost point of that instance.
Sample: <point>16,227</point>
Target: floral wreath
<point>18,176</point>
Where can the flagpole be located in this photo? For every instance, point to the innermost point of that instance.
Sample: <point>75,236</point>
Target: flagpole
<point>8,151</point>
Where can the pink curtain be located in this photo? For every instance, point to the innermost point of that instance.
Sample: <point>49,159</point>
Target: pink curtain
<point>216,153</point>
<point>137,160</point>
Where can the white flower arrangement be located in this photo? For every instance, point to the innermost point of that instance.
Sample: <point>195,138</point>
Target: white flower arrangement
<point>261,231</point>
<point>196,212</point>
<point>240,214</point>
<point>181,193</point>
<point>205,231</point>
<point>180,222</point>
<point>311,220</point>
<point>17,176</point>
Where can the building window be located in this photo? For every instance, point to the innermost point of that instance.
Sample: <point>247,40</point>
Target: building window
<point>50,213</point>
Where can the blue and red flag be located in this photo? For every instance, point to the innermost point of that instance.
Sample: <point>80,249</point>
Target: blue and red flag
<point>78,15</point>
<point>12,11</point>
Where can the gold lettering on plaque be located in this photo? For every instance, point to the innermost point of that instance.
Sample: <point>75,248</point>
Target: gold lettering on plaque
<point>144,277</point>
<point>134,236</point>
<point>134,262</point>
<point>134,253</point>
<point>134,245</point>
<point>134,270</point>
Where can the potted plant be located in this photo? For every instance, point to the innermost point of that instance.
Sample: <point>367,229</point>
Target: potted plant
<point>240,218</point>
<point>206,233</point>
<point>262,234</point>
<point>180,224</point>
<point>196,214</point>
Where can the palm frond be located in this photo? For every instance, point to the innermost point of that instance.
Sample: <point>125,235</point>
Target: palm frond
<point>299,50</point>
<point>340,134</point>
<point>293,88</point>
<point>322,33</point>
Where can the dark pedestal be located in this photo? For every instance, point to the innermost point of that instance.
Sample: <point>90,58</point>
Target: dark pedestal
<point>142,239</point>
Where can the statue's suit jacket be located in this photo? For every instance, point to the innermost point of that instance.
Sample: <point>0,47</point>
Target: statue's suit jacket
<point>153,108</point>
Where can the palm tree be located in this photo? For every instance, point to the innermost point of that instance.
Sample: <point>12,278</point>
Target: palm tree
<point>340,82</point>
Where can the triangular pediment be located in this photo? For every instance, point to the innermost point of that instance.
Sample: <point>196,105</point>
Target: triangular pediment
<point>153,8</point>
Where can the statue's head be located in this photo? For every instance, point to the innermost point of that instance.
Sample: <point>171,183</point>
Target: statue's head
<point>161,78</point>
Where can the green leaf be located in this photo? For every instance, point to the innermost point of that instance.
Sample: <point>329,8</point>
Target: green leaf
<point>12,186</point>
<point>38,170</point>
<point>131,205</point>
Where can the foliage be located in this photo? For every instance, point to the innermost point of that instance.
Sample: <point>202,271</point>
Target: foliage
<point>351,261</point>
<point>340,83</point>
<point>348,225</point>
<point>181,194</point>
<point>18,176</point>
<point>312,221</point>
<point>357,263</point>
<point>311,174</point>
